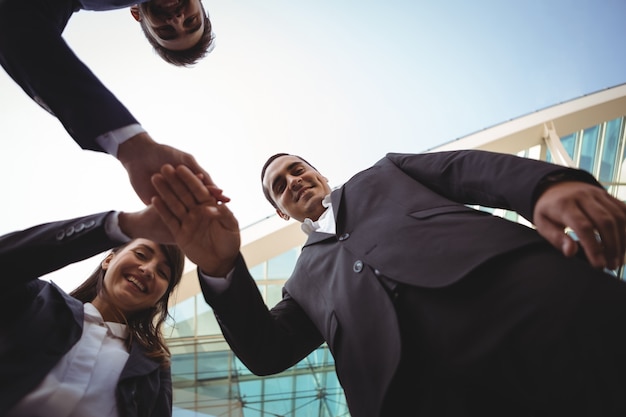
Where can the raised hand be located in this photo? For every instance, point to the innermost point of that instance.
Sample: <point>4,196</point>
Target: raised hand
<point>203,227</point>
<point>597,219</point>
<point>142,157</point>
<point>147,224</point>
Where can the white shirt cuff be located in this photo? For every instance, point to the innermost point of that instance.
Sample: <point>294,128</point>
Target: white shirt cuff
<point>112,228</point>
<point>112,140</point>
<point>217,285</point>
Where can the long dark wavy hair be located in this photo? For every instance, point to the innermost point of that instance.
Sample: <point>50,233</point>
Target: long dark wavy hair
<point>144,326</point>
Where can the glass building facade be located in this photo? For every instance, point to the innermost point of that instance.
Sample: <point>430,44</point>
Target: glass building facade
<point>209,380</point>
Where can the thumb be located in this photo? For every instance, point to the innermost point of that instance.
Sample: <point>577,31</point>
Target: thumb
<point>569,246</point>
<point>557,237</point>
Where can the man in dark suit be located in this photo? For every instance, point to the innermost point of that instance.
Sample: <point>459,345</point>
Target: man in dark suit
<point>428,306</point>
<point>34,54</point>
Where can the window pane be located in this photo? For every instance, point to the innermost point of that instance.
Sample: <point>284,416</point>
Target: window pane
<point>589,146</point>
<point>609,151</point>
<point>281,266</point>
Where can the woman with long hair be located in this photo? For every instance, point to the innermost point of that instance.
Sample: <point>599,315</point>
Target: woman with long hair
<point>98,351</point>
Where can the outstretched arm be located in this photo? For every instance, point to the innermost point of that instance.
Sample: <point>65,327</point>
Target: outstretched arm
<point>204,228</point>
<point>597,219</point>
<point>37,57</point>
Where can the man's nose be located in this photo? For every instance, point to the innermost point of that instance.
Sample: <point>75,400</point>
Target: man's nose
<point>295,182</point>
<point>174,19</point>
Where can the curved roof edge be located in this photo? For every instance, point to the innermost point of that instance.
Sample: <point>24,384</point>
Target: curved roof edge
<point>527,131</point>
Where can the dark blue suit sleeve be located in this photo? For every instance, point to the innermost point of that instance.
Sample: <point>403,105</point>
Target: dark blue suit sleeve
<point>485,178</point>
<point>266,341</point>
<point>31,253</point>
<point>34,54</point>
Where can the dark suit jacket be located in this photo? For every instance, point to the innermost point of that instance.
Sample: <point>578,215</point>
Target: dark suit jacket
<point>35,55</point>
<point>40,322</point>
<point>403,219</point>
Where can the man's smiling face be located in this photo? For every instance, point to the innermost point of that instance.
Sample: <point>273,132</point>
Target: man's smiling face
<point>174,24</point>
<point>296,188</point>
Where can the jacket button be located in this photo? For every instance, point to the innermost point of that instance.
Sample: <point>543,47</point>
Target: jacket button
<point>358,266</point>
<point>69,231</point>
<point>60,235</point>
<point>344,236</point>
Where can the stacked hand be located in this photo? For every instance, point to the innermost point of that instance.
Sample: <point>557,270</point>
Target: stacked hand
<point>201,225</point>
<point>142,157</point>
<point>597,219</point>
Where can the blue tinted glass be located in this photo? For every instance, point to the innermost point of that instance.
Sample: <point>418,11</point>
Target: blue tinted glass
<point>183,367</point>
<point>282,265</point>
<point>569,143</point>
<point>250,392</point>
<point>274,294</point>
<point>212,365</point>
<point>183,319</point>
<point>258,271</point>
<point>609,150</point>
<point>588,148</point>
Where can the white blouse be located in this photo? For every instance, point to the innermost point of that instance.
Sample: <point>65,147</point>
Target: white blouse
<point>84,381</point>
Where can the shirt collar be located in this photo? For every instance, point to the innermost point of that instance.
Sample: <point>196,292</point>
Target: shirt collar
<point>325,223</point>
<point>92,314</point>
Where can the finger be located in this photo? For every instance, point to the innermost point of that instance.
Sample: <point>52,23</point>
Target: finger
<point>167,217</point>
<point>215,191</point>
<point>182,188</point>
<point>195,186</point>
<point>555,234</point>
<point>589,241</point>
<point>218,193</point>
<point>609,219</point>
<point>606,232</point>
<point>227,218</point>
<point>207,180</point>
<point>169,197</point>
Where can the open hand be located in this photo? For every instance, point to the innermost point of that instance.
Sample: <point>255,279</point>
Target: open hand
<point>203,227</point>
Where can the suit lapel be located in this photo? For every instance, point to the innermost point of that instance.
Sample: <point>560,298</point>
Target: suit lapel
<point>138,363</point>
<point>316,237</point>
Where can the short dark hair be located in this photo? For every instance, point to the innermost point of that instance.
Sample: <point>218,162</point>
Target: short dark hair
<point>186,57</point>
<point>266,192</point>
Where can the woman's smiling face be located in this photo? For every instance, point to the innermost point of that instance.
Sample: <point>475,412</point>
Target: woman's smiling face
<point>136,277</point>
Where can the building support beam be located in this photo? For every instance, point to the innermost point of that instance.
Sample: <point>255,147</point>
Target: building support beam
<point>553,142</point>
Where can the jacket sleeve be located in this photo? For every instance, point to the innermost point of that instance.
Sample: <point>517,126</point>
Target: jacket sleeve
<point>485,178</point>
<point>266,341</point>
<point>34,54</point>
<point>36,251</point>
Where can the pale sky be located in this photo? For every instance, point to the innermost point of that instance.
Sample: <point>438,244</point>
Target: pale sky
<point>339,82</point>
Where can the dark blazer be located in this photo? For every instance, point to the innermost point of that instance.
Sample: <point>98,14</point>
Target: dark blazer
<point>403,219</point>
<point>40,322</point>
<point>35,55</point>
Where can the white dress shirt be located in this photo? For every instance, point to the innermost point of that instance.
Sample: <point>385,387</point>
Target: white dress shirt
<point>84,381</point>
